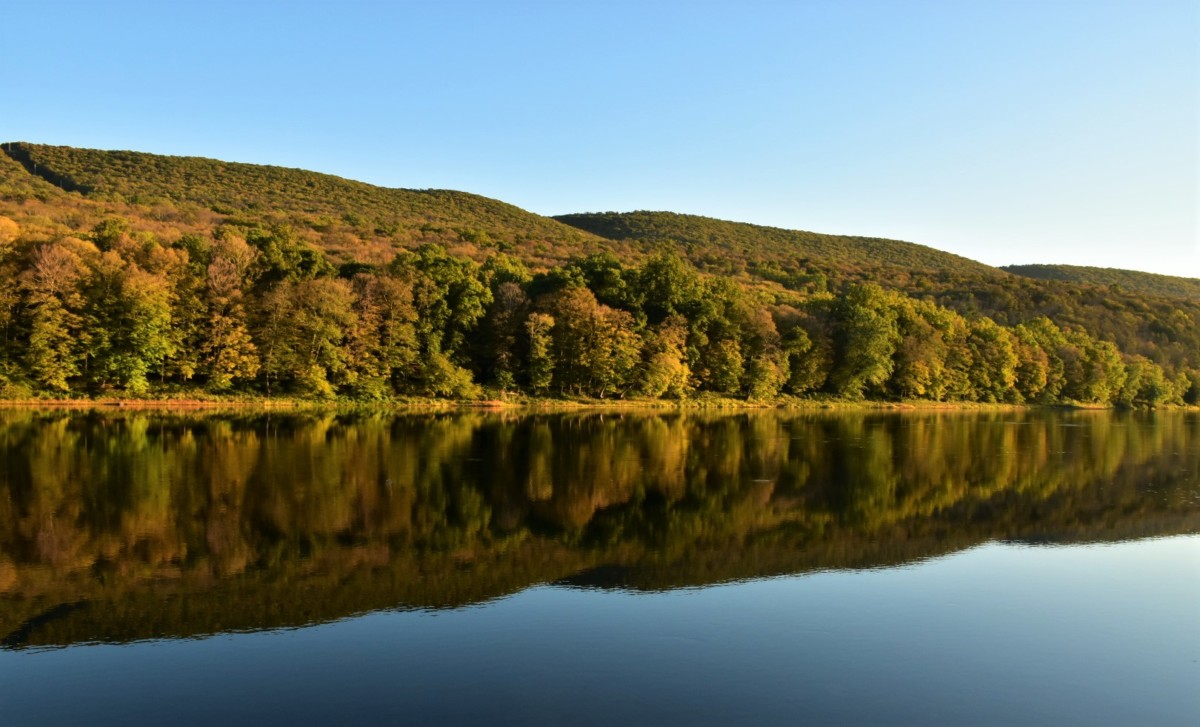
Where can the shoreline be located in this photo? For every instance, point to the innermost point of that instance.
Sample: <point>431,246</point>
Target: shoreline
<point>533,405</point>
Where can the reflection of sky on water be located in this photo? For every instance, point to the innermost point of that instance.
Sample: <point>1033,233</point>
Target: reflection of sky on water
<point>999,634</point>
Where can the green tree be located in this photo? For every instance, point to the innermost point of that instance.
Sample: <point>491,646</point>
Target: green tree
<point>721,336</point>
<point>1033,365</point>
<point>51,285</point>
<point>1043,334</point>
<point>282,256</point>
<point>609,281</point>
<point>724,366</point>
<point>127,319</point>
<point>808,343</point>
<point>450,299</point>
<point>1093,370</point>
<point>925,352</point>
<point>1145,384</point>
<point>382,350</point>
<point>539,328</point>
<point>110,232</point>
<point>227,351</point>
<point>866,342</point>
<point>993,372</point>
<point>302,326</point>
<point>666,285</point>
<point>10,297</point>
<point>1189,387</point>
<point>596,348</point>
<point>766,376</point>
<point>503,333</point>
<point>665,371</point>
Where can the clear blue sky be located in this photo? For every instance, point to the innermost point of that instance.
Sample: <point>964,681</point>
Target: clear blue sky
<point>1009,132</point>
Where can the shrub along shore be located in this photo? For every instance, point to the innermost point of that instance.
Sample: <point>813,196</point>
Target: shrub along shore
<point>534,405</point>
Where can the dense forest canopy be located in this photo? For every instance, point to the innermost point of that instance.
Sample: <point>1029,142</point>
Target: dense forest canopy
<point>736,247</point>
<point>135,274</point>
<point>348,219</point>
<point>1155,316</point>
<point>1132,280</point>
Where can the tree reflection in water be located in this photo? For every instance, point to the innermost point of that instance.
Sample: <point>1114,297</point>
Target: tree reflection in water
<point>119,526</point>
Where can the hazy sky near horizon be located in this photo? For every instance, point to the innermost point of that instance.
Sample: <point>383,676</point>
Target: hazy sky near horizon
<point>1009,132</point>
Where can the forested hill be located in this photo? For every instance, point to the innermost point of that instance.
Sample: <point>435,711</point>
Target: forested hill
<point>1143,314</point>
<point>1127,280</point>
<point>351,219</point>
<point>734,247</point>
<point>125,273</point>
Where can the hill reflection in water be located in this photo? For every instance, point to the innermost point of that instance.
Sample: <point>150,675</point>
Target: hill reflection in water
<point>123,526</point>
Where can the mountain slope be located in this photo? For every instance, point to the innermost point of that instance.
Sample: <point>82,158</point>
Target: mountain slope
<point>325,204</point>
<point>53,192</point>
<point>1141,317</point>
<point>18,184</point>
<point>1130,280</point>
<point>719,242</point>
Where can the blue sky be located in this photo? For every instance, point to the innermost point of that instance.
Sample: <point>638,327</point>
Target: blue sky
<point>1008,132</point>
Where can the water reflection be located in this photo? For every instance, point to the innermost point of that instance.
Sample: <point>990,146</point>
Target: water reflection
<point>122,526</point>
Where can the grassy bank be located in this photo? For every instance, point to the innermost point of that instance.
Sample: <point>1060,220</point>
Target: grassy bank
<point>526,403</point>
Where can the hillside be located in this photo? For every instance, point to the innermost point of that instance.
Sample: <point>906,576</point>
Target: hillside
<point>1127,280</point>
<point>351,219</point>
<point>142,274</point>
<point>1145,315</point>
<point>734,247</point>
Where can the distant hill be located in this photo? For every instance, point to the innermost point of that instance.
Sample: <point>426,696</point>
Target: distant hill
<point>1130,280</point>
<point>721,244</point>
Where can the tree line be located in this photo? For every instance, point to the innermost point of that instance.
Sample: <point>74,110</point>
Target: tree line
<point>260,311</point>
<point>1152,315</point>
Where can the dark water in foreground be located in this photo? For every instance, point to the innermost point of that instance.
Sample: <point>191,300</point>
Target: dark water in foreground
<point>1016,568</point>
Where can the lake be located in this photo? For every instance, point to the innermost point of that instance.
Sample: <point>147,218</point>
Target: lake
<point>934,568</point>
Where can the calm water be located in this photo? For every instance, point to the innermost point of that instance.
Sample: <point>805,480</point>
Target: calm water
<point>1017,568</point>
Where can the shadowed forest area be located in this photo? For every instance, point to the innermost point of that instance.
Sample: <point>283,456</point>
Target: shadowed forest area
<point>116,527</point>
